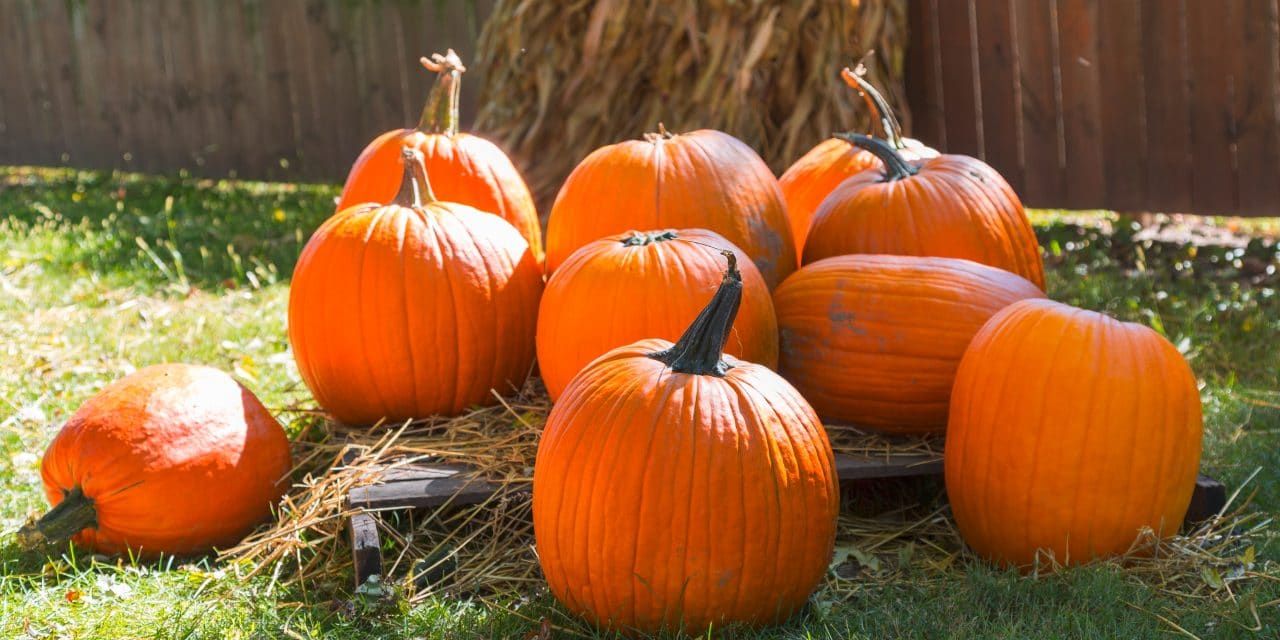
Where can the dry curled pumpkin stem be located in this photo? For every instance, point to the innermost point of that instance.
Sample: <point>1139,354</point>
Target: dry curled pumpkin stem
<point>415,188</point>
<point>662,134</point>
<point>880,109</point>
<point>74,514</point>
<point>700,351</point>
<point>440,115</point>
<point>895,166</point>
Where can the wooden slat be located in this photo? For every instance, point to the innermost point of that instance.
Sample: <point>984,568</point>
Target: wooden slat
<point>1081,104</point>
<point>998,71</point>
<point>1041,113</point>
<point>1214,31</point>
<point>1124,144</point>
<point>924,86</point>
<point>1168,125</point>
<point>366,549</point>
<point>1258,82</point>
<point>960,96</point>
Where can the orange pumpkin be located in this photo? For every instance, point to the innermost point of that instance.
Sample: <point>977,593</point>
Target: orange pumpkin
<point>636,285</point>
<point>951,206</point>
<point>705,179</point>
<point>174,459</point>
<point>1070,432</point>
<point>676,488</point>
<point>817,173</point>
<point>874,340</point>
<point>414,308</point>
<point>464,168</point>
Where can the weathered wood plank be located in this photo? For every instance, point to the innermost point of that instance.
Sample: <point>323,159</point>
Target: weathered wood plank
<point>1124,139</point>
<point>1168,124</point>
<point>1214,30</point>
<point>366,548</point>
<point>924,86</point>
<point>998,75</point>
<point>1257,102</point>
<point>962,114</point>
<point>1040,99</point>
<point>1081,104</point>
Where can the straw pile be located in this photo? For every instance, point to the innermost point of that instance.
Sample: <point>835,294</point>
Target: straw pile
<point>563,78</point>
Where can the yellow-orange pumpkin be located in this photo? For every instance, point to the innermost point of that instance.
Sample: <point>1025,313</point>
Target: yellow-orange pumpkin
<point>1070,432</point>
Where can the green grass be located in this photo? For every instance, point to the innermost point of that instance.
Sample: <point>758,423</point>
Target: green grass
<point>104,273</point>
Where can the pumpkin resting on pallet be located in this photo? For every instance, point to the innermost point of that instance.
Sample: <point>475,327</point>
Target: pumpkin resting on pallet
<point>636,285</point>
<point>875,340</point>
<point>464,168</point>
<point>951,206</point>
<point>1070,432</point>
<point>705,179</point>
<point>174,459</point>
<point>415,308</point>
<point>676,489</point>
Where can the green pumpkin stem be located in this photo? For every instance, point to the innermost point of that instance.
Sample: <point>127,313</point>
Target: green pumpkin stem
<point>856,79</point>
<point>700,350</point>
<point>415,188</point>
<point>895,166</point>
<point>440,115</point>
<point>74,514</point>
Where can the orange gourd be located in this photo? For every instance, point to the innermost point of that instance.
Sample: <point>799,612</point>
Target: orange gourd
<point>1070,432</point>
<point>676,488</point>
<point>705,179</point>
<point>817,173</point>
<point>874,340</point>
<point>951,206</point>
<point>636,285</point>
<point>414,308</point>
<point>174,459</point>
<point>464,168</point>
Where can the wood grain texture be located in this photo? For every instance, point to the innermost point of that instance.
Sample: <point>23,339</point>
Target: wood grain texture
<point>1035,24</point>
<point>1000,89</point>
<point>1258,104</point>
<point>1168,124</point>
<point>1081,104</point>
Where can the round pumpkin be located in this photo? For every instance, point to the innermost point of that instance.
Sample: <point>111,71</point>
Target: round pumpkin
<point>819,171</point>
<point>415,308</point>
<point>705,179</point>
<point>465,168</point>
<point>951,206</point>
<point>676,488</point>
<point>171,459</point>
<point>1070,433</point>
<point>636,285</point>
<point>874,340</point>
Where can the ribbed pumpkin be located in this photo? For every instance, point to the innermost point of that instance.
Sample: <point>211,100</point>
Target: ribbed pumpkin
<point>874,340</point>
<point>1070,432</point>
<point>414,308</point>
<point>951,206</point>
<point>175,459</point>
<point>679,488</point>
<point>817,173</point>
<point>705,179</point>
<point>464,168</point>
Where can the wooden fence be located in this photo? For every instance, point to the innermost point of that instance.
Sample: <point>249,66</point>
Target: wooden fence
<point>1136,105</point>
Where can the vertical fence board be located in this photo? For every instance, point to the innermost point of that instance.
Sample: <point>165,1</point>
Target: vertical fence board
<point>1081,106</point>
<point>1041,112</point>
<point>960,82</point>
<point>998,75</point>
<point>924,86</point>
<point>1214,30</point>
<point>1123,105</point>
<point>1168,130</point>
<point>1258,149</point>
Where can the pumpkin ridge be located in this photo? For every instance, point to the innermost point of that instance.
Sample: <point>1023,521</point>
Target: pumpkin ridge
<point>409,325</point>
<point>359,294</point>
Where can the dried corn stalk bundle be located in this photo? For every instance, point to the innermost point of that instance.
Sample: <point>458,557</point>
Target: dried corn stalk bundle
<point>563,78</point>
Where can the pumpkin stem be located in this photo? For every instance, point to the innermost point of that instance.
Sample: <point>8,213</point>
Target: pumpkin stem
<point>641,238</point>
<point>415,188</point>
<point>74,514</point>
<point>895,166</point>
<point>662,134</point>
<point>856,79</point>
<point>440,115</point>
<point>700,350</point>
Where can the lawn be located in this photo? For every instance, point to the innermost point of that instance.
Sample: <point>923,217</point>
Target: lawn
<point>103,273</point>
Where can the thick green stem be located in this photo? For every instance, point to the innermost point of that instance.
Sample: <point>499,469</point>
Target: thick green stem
<point>895,166</point>
<point>415,188</point>
<point>641,238</point>
<point>880,108</point>
<point>440,115</point>
<point>74,514</point>
<point>700,350</point>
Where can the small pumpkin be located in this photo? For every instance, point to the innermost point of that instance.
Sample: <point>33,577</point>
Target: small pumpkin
<point>1070,432</point>
<point>951,206</point>
<point>413,308</point>
<point>636,285</point>
<point>677,488</point>
<point>465,168</point>
<point>811,178</point>
<point>874,340</point>
<point>705,179</point>
<point>171,459</point>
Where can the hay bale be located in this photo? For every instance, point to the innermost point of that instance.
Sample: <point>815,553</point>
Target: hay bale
<point>563,78</point>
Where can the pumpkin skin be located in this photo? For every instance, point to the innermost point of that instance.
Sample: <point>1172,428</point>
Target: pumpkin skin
<point>875,340</point>
<point>174,459</point>
<point>705,179</point>
<point>667,496</point>
<point>951,206</point>
<point>637,285</point>
<point>819,171</point>
<point>1070,431</point>
<point>415,308</point>
<point>464,168</point>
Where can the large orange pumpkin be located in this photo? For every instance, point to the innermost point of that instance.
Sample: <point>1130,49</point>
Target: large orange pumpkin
<point>874,340</point>
<point>174,459</point>
<point>1070,432</point>
<point>811,178</point>
<point>951,206</point>
<point>414,308</point>
<point>464,168</point>
<point>679,488</point>
<point>705,179</point>
<point>637,285</point>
